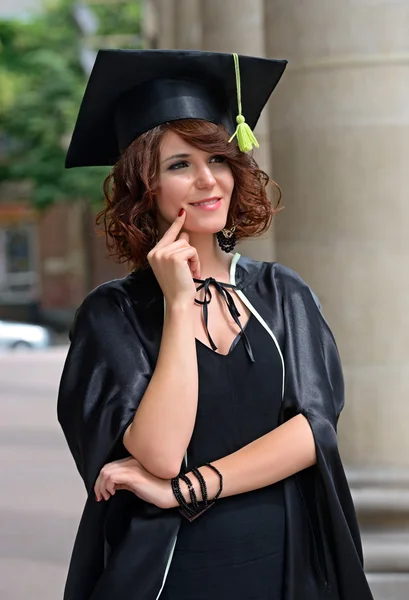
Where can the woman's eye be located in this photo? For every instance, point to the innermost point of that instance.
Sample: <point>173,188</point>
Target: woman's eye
<point>178,165</point>
<point>218,158</point>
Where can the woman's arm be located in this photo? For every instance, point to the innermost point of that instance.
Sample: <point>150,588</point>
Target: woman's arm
<point>282,452</point>
<point>163,424</point>
<point>278,454</point>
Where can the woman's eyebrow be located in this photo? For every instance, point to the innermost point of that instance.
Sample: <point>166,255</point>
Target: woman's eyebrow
<point>176,156</point>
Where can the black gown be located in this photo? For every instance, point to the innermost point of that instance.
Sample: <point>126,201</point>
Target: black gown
<point>236,549</point>
<point>115,344</point>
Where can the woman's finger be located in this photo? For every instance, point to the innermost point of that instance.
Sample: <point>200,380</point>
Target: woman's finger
<point>110,485</point>
<point>194,263</point>
<point>100,485</point>
<point>173,232</point>
<point>191,256</point>
<point>103,490</point>
<point>171,248</point>
<point>96,488</point>
<point>106,481</point>
<point>103,480</point>
<point>117,476</point>
<point>123,486</point>
<point>184,236</point>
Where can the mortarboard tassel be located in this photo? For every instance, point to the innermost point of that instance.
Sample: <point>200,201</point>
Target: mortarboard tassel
<point>245,137</point>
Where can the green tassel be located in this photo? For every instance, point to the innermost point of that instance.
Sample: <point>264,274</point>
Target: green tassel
<point>245,137</point>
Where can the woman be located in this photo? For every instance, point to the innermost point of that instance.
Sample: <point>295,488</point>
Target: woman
<point>201,393</point>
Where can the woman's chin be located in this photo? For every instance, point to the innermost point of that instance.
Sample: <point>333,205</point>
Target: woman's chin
<point>205,226</point>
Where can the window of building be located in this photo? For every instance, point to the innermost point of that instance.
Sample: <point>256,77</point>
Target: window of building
<point>18,275</point>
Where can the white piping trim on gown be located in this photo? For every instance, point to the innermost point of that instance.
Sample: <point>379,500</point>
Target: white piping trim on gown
<point>167,566</point>
<point>259,318</point>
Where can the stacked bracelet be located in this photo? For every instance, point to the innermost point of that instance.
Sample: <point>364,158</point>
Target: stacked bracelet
<point>202,483</point>
<point>220,477</point>
<point>186,510</point>
<point>195,509</point>
<point>192,493</point>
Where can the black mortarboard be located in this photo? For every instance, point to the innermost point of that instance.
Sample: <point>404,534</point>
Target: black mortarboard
<point>132,91</point>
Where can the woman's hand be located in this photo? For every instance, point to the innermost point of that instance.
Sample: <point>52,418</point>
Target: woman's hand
<point>129,474</point>
<point>175,263</point>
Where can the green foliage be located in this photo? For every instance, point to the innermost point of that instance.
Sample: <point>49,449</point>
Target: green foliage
<point>41,86</point>
<point>118,17</point>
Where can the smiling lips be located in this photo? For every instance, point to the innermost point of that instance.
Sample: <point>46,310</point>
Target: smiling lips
<point>209,204</point>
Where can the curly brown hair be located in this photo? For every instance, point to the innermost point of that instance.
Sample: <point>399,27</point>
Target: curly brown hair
<point>129,216</point>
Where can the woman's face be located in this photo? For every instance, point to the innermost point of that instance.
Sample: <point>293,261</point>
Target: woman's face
<point>189,177</point>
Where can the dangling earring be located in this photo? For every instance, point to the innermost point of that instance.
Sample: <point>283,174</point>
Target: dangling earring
<point>227,239</point>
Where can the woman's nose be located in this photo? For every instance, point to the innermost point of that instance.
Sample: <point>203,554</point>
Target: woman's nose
<point>205,178</point>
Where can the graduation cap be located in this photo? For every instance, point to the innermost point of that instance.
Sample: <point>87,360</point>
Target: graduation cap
<point>132,91</point>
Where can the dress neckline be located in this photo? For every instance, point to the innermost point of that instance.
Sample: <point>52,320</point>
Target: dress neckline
<point>234,344</point>
<point>222,289</point>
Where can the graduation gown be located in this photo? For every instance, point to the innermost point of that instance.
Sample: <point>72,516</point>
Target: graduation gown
<point>124,547</point>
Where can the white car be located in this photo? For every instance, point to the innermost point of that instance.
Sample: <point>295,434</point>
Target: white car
<point>23,336</point>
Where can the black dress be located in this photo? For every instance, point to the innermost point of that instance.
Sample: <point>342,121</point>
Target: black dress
<point>235,551</point>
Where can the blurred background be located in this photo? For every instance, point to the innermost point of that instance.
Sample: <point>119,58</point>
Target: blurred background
<point>335,136</point>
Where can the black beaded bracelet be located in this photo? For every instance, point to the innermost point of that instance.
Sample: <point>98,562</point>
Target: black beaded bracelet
<point>176,489</point>
<point>203,486</point>
<point>192,493</point>
<point>195,509</point>
<point>177,492</point>
<point>220,477</point>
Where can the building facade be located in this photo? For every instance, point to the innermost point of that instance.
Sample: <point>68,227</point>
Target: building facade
<point>336,138</point>
<point>49,260</point>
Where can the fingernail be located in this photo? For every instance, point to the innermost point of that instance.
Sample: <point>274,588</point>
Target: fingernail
<point>181,212</point>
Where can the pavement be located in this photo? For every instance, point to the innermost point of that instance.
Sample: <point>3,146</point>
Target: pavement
<point>41,493</point>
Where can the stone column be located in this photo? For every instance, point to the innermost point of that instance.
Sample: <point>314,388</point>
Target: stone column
<point>238,26</point>
<point>340,145</point>
<point>165,14</point>
<point>188,24</point>
<point>178,23</point>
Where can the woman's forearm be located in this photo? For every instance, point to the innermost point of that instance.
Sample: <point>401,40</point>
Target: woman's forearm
<point>279,454</point>
<point>163,424</point>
